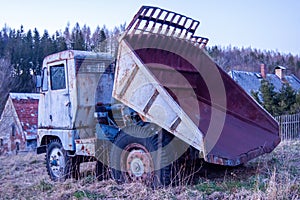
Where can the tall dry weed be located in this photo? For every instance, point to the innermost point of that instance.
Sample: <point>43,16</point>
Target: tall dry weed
<point>272,176</point>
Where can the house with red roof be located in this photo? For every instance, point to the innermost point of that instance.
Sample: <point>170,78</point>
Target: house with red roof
<point>18,123</point>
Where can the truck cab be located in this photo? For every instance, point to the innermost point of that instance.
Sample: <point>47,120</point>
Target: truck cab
<point>73,82</point>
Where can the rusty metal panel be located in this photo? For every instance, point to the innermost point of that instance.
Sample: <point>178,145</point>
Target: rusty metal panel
<point>85,147</point>
<point>193,91</point>
<point>94,80</point>
<point>66,137</point>
<point>141,87</point>
<point>222,111</point>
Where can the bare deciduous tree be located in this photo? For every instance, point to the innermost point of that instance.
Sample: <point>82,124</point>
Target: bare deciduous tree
<point>6,81</point>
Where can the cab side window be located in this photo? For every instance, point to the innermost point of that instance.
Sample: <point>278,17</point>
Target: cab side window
<point>57,77</point>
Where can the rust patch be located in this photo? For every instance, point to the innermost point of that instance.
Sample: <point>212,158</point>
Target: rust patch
<point>151,101</point>
<point>175,124</point>
<point>127,84</point>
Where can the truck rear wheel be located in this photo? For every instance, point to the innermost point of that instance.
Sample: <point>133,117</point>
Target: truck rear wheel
<point>137,156</point>
<point>59,165</point>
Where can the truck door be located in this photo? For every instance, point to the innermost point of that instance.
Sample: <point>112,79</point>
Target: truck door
<point>59,105</point>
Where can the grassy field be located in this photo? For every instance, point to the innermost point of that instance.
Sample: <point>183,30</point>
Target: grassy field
<point>272,176</point>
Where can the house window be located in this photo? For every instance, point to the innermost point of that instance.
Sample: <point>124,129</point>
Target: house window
<point>13,130</point>
<point>57,77</point>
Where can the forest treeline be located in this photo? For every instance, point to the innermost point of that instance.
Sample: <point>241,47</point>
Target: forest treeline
<point>249,59</point>
<point>22,52</point>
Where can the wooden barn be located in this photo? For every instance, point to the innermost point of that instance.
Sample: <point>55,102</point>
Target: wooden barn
<point>18,123</point>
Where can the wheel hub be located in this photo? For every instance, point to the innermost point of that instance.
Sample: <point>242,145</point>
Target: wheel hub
<point>57,162</point>
<point>138,164</point>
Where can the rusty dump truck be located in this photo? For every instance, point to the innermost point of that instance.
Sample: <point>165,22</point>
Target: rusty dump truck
<point>161,99</point>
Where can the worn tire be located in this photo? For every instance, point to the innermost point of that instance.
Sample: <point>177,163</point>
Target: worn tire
<point>58,163</point>
<point>135,158</point>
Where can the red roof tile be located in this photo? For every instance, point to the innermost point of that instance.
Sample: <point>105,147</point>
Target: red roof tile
<point>26,106</point>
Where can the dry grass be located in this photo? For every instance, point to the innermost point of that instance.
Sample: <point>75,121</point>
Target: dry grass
<point>273,176</point>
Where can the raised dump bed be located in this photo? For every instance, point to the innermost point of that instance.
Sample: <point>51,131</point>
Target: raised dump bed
<point>164,73</point>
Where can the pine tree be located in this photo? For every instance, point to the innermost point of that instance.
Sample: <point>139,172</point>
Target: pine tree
<point>77,38</point>
<point>47,44</point>
<point>86,31</point>
<point>270,98</point>
<point>287,99</point>
<point>27,63</point>
<point>296,107</point>
<point>67,37</point>
<point>2,47</point>
<point>60,42</point>
<point>255,95</point>
<point>37,52</point>
<point>99,40</point>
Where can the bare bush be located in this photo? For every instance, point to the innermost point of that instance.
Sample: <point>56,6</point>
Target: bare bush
<point>6,81</point>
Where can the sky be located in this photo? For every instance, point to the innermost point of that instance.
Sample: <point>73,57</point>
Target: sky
<point>261,24</point>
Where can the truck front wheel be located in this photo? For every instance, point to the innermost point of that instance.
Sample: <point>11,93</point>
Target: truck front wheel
<point>59,165</point>
<point>137,156</point>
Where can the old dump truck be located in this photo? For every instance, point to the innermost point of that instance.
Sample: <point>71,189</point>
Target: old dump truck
<point>162,99</point>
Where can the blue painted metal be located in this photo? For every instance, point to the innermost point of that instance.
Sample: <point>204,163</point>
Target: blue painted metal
<point>106,132</point>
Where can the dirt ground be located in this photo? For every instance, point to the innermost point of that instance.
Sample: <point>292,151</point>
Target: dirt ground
<point>272,176</point>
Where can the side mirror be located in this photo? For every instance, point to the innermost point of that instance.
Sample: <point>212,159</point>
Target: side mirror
<point>44,80</point>
<point>38,81</point>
